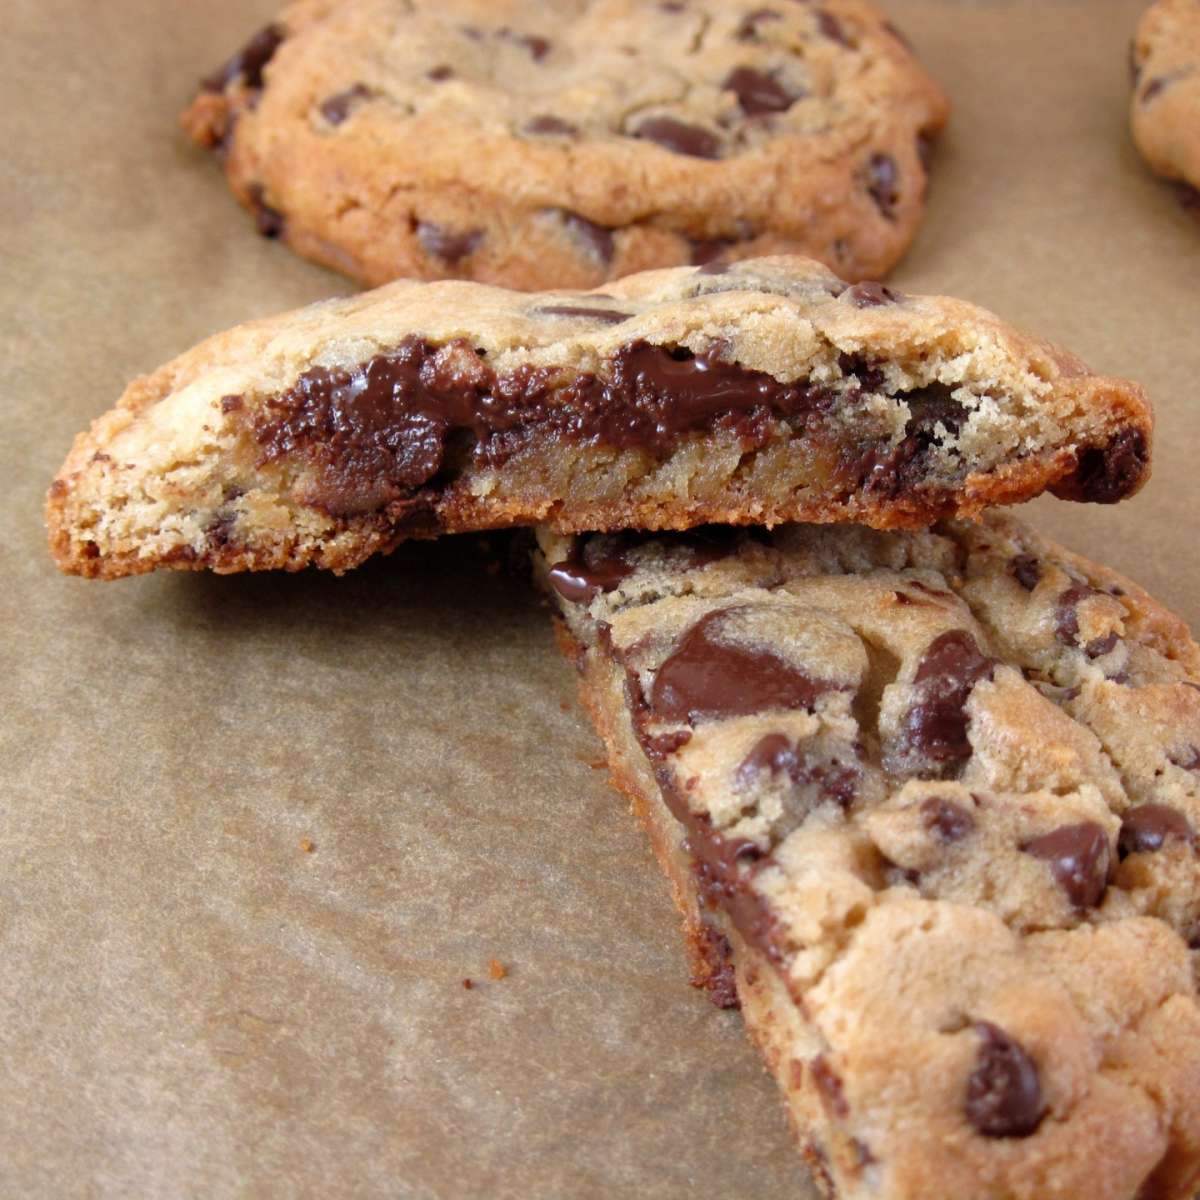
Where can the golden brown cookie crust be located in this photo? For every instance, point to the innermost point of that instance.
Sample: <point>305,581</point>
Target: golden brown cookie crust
<point>761,392</point>
<point>565,144</point>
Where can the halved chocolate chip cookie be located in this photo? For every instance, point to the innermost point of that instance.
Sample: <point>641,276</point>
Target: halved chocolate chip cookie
<point>763,392</point>
<point>929,802</point>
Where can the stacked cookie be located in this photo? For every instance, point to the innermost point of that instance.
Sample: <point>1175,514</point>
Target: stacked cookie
<point>925,785</point>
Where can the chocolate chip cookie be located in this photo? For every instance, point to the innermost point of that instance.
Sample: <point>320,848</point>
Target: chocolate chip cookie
<point>562,144</point>
<point>762,392</point>
<point>929,803</point>
<point>1165,111</point>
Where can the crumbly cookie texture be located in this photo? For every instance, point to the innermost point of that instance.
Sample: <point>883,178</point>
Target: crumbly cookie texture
<point>929,803</point>
<point>565,143</point>
<point>757,393</point>
<point>1165,110</point>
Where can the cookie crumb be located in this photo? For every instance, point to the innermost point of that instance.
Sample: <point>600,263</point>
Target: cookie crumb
<point>468,984</point>
<point>307,845</point>
<point>496,969</point>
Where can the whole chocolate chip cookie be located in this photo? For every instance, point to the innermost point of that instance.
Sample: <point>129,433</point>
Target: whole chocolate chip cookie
<point>929,802</point>
<point>1165,111</point>
<point>764,392</point>
<point>563,144</point>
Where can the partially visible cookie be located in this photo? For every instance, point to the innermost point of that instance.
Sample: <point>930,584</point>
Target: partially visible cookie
<point>930,803</point>
<point>563,144</point>
<point>1165,62</point>
<point>763,392</point>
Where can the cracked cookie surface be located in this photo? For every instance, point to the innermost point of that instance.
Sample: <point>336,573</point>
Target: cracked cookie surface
<point>760,392</point>
<point>929,804</point>
<point>1165,110</point>
<point>563,144</point>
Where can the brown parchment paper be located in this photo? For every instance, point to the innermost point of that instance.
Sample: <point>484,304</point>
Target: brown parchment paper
<point>190,1003</point>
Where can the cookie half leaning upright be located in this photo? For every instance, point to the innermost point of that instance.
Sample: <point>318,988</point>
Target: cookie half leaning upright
<point>764,392</point>
<point>536,144</point>
<point>929,802</point>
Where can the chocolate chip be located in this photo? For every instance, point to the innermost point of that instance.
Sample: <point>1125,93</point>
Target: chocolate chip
<point>831,27</point>
<point>719,979</point>
<point>606,316</point>
<point>1026,570</point>
<point>537,46</point>
<point>338,107</point>
<point>680,137</point>
<point>948,821</point>
<point>1145,829</point>
<point>551,126</point>
<point>773,752</point>
<point>440,73</point>
<point>249,62</point>
<point>704,252</point>
<point>935,727</point>
<point>869,294</point>
<point>888,470</point>
<point>758,92</point>
<point>269,221</point>
<point>1189,759</point>
<point>668,743</point>
<point>1066,625</point>
<point>710,676</point>
<point>597,238</point>
<point>830,1086</point>
<point>1078,858</point>
<point>1004,1093</point>
<point>589,572</point>
<point>747,30</point>
<point>450,245</point>
<point>883,183</point>
<point>1098,647</point>
<point>1155,87</point>
<point>1110,473</point>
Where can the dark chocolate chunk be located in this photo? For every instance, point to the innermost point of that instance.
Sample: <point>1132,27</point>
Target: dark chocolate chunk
<point>1026,570</point>
<point>709,675</point>
<point>758,92</point>
<point>450,245</point>
<point>1145,829</point>
<point>831,27</point>
<point>950,822</point>
<point>1004,1093</point>
<point>869,294</point>
<point>883,182</point>
<point>1155,87</point>
<point>338,107</point>
<point>605,316</point>
<point>718,977</point>
<point>248,63</point>
<point>269,221</point>
<point>680,137</point>
<point>588,573</point>
<point>1078,857</point>
<point>440,73</point>
<point>747,30</point>
<point>663,744</point>
<point>1109,473</point>
<point>773,752</point>
<point>1098,647</point>
<point>551,126</point>
<point>1066,625</point>
<point>892,470</point>
<point>935,727</point>
<point>598,239</point>
<point>829,1084</point>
